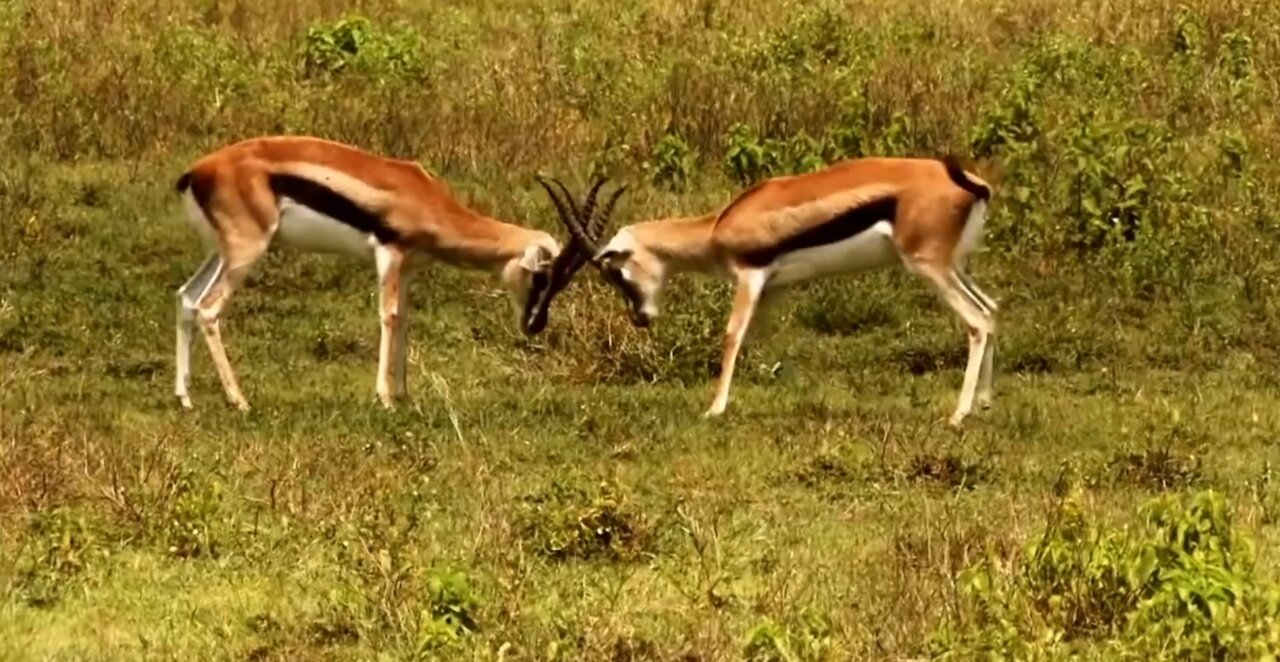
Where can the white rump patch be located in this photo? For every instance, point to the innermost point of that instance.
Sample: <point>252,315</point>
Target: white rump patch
<point>868,250</point>
<point>307,229</point>
<point>971,236</point>
<point>198,221</point>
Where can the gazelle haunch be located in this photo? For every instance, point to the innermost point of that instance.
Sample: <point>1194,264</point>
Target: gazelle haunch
<point>855,216</point>
<point>323,196</point>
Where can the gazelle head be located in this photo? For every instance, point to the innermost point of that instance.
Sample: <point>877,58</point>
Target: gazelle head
<point>635,272</point>
<point>526,279</point>
<point>552,275</point>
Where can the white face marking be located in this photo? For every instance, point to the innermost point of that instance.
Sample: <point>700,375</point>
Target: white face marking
<point>870,249</point>
<point>307,229</point>
<point>621,242</point>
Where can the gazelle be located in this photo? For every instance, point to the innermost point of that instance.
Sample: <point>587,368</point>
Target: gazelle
<point>857,215</point>
<point>323,196</point>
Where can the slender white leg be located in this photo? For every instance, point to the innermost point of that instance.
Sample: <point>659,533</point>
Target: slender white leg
<point>750,286</point>
<point>952,291</point>
<point>209,314</point>
<point>400,366</point>
<point>237,258</point>
<point>188,296</point>
<point>986,376</point>
<point>390,262</point>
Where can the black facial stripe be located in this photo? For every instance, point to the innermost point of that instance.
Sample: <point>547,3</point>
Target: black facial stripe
<point>629,291</point>
<point>838,228</point>
<point>329,202</point>
<point>534,303</point>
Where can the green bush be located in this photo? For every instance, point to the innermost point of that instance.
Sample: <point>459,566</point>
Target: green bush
<point>574,521</point>
<point>355,45</point>
<point>673,162</point>
<point>1180,585</point>
<point>750,157</point>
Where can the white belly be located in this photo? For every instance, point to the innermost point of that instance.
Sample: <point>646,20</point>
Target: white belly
<point>870,249</point>
<point>306,229</point>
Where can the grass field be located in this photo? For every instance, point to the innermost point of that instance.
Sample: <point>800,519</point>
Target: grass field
<point>560,498</point>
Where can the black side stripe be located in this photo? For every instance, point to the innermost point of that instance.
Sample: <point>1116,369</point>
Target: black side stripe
<point>838,228</point>
<point>329,202</point>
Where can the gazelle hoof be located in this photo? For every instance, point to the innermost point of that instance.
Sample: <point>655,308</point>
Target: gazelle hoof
<point>957,420</point>
<point>184,401</point>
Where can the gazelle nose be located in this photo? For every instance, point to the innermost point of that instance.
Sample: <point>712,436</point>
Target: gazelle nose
<point>535,325</point>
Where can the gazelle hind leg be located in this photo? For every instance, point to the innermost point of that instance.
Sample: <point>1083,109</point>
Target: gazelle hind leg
<point>187,297</point>
<point>750,287</point>
<point>986,376</point>
<point>237,262</point>
<point>978,323</point>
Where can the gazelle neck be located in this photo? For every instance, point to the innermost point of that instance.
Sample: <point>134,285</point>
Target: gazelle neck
<point>683,243</point>
<point>475,240</point>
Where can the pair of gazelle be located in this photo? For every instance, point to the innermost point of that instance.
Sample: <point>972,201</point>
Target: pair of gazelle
<point>858,215</point>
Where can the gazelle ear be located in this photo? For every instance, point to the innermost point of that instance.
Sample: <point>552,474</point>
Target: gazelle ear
<point>535,258</point>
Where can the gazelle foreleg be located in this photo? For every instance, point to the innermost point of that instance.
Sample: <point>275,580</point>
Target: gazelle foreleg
<point>400,364</point>
<point>750,287</point>
<point>977,322</point>
<point>391,299</point>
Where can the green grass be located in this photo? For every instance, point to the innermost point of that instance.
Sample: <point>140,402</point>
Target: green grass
<point>560,498</point>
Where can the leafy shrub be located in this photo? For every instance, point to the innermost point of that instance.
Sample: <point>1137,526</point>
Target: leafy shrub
<point>1159,468</point>
<point>814,36</point>
<point>191,518</point>
<point>1178,586</point>
<point>452,611</point>
<point>849,136</point>
<point>60,546</point>
<point>1188,32</point>
<point>1113,168</point>
<point>749,157</point>
<point>569,521</point>
<point>948,469</point>
<point>802,638</point>
<point>768,642</point>
<point>1014,118</point>
<point>355,45</point>
<point>804,153</point>
<point>673,162</point>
